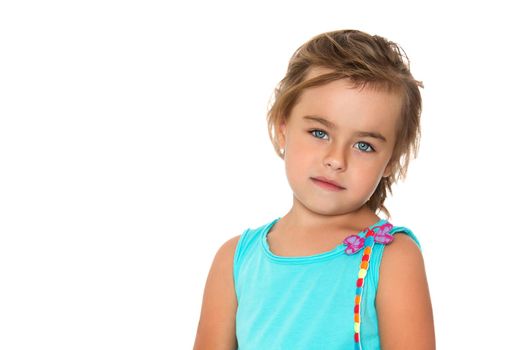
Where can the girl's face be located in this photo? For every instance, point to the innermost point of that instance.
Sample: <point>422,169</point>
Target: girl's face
<point>352,147</point>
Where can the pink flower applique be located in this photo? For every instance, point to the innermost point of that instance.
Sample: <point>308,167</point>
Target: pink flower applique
<point>355,243</point>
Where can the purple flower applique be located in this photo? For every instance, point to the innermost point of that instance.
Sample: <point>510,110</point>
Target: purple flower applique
<point>355,243</point>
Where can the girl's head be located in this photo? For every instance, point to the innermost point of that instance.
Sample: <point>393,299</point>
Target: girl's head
<point>377,71</point>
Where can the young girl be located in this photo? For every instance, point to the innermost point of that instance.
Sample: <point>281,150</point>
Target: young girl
<point>330,274</point>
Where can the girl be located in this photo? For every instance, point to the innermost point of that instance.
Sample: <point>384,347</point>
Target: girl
<point>330,274</point>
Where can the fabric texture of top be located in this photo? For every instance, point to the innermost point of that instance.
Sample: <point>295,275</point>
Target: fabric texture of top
<point>303,302</point>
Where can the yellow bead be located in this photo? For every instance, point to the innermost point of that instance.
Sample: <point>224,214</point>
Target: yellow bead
<point>362,273</point>
<point>356,327</point>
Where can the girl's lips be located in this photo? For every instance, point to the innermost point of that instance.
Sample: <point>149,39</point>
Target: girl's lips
<point>327,180</point>
<point>327,185</point>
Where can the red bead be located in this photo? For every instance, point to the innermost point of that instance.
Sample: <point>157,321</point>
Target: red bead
<point>359,282</point>
<point>356,309</point>
<point>366,257</point>
<point>356,337</point>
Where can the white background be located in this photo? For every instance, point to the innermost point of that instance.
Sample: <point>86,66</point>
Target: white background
<point>133,143</point>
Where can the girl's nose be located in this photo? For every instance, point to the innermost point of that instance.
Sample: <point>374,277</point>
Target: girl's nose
<point>335,159</point>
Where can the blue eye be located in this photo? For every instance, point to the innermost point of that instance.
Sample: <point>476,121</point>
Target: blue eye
<point>362,146</point>
<point>365,147</point>
<point>317,130</point>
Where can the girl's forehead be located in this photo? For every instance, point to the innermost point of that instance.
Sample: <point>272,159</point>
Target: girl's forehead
<point>350,108</point>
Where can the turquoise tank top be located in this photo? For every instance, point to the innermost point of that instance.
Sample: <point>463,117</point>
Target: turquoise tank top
<point>305,302</point>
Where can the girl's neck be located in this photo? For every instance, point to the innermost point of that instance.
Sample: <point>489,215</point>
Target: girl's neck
<point>300,220</point>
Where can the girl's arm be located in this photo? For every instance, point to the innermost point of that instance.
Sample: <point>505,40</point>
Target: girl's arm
<point>403,304</point>
<point>216,328</point>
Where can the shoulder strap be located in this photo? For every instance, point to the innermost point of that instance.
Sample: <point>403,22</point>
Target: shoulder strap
<point>378,237</point>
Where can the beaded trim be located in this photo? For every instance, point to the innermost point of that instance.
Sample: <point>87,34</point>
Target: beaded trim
<point>377,234</point>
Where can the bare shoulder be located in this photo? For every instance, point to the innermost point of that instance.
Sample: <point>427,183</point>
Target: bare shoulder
<point>227,250</point>
<point>403,303</point>
<point>216,329</point>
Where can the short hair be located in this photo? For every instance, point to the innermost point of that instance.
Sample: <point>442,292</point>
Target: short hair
<point>365,60</point>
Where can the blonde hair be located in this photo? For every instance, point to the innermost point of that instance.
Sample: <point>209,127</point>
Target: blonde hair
<point>365,60</point>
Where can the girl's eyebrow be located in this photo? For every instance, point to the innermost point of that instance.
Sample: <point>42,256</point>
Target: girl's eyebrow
<point>331,125</point>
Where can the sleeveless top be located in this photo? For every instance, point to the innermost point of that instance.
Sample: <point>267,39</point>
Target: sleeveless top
<point>322,301</point>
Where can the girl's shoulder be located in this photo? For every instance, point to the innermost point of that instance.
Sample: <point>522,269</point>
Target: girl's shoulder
<point>246,247</point>
<point>406,231</point>
<point>251,236</point>
<point>403,298</point>
<point>404,246</point>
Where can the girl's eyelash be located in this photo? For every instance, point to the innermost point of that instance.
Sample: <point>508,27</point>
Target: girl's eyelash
<point>359,142</point>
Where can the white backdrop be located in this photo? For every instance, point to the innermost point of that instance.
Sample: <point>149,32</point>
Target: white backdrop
<point>133,143</point>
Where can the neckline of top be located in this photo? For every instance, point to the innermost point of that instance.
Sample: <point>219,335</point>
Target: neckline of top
<point>338,250</point>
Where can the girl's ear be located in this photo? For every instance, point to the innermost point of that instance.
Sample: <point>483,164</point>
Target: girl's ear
<point>388,170</point>
<point>281,134</point>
